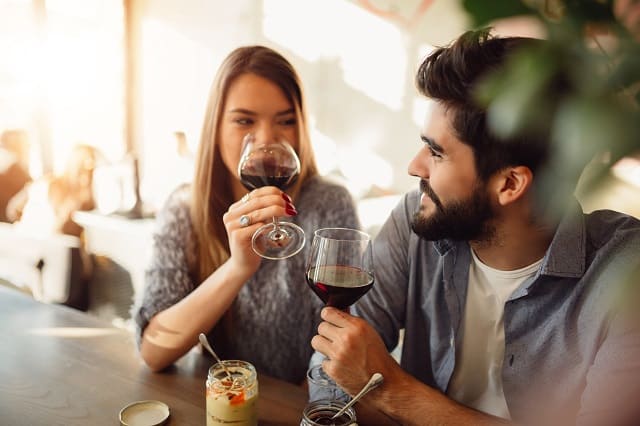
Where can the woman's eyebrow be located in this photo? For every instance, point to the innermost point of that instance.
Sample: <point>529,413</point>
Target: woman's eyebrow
<point>242,111</point>
<point>249,112</point>
<point>286,112</point>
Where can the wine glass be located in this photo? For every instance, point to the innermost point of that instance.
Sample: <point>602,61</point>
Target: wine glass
<point>340,266</point>
<point>272,164</point>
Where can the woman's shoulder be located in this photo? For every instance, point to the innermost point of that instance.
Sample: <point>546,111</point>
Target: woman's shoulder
<point>318,185</point>
<point>177,207</point>
<point>323,194</point>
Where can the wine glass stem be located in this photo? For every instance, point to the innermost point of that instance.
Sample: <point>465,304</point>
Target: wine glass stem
<point>277,234</point>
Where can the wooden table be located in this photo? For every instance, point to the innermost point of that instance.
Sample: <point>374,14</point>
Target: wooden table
<point>59,366</point>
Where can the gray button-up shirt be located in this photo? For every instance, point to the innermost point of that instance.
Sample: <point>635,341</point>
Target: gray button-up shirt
<point>568,352</point>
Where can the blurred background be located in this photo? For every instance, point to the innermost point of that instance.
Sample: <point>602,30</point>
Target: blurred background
<point>118,88</point>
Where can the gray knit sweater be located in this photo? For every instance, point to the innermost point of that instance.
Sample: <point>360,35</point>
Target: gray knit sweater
<point>275,314</point>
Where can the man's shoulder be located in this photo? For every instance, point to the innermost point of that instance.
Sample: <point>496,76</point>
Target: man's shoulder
<point>603,226</point>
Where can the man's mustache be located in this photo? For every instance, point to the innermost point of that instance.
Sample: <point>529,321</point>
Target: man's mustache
<point>425,188</point>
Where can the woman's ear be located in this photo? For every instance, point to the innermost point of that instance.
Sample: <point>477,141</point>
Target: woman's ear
<point>512,184</point>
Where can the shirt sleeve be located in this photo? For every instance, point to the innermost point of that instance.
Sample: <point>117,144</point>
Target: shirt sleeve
<point>168,278</point>
<point>613,381</point>
<point>385,304</point>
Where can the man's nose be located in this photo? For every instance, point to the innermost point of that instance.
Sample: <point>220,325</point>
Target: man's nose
<point>418,166</point>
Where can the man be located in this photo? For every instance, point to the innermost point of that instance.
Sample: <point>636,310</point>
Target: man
<point>508,314</point>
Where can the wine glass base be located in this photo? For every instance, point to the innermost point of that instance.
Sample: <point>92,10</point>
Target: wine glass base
<point>281,242</point>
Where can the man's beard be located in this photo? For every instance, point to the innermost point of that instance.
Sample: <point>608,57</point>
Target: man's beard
<point>463,220</point>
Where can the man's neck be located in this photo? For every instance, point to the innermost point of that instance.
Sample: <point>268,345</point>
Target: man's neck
<point>514,246</point>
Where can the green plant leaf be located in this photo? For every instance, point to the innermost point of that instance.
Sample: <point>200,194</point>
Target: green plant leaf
<point>483,12</point>
<point>585,127</point>
<point>626,72</point>
<point>592,11</point>
<point>515,94</point>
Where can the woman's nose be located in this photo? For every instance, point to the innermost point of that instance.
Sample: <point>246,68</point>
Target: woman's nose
<point>265,133</point>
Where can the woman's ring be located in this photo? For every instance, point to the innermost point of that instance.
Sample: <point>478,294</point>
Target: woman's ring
<point>245,198</point>
<point>245,220</point>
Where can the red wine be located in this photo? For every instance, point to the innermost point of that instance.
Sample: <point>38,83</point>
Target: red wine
<point>328,420</point>
<point>339,286</point>
<point>256,181</point>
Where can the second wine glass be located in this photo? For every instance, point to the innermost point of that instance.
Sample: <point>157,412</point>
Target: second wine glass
<point>272,164</point>
<point>340,266</point>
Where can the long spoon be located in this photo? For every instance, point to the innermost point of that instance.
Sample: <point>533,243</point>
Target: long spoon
<point>204,342</point>
<point>375,381</point>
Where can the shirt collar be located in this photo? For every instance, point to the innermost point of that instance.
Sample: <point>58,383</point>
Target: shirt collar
<point>566,255</point>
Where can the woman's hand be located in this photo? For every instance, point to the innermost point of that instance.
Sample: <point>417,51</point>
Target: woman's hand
<point>256,208</point>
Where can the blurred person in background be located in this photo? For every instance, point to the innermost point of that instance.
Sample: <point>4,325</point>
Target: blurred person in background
<point>14,168</point>
<point>47,205</point>
<point>204,275</point>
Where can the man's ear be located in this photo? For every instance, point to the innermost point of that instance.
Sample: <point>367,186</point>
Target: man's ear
<point>512,183</point>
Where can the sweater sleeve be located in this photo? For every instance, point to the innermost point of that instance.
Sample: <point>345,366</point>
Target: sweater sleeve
<point>325,204</point>
<point>168,278</point>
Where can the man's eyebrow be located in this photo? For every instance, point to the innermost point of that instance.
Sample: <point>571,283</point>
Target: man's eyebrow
<point>432,144</point>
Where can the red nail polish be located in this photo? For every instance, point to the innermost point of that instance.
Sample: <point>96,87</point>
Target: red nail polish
<point>286,198</point>
<point>290,210</point>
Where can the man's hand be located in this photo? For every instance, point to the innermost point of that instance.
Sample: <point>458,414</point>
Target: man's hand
<point>354,350</point>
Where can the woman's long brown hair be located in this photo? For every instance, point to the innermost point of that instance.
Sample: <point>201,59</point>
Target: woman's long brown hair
<point>211,190</point>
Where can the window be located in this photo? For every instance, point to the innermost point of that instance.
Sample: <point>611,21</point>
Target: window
<point>62,77</point>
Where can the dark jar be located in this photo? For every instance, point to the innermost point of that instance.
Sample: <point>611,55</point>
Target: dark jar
<point>319,413</point>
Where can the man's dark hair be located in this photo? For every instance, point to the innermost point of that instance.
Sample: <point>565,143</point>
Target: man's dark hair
<point>449,75</point>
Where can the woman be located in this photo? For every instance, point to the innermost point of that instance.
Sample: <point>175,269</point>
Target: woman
<point>204,275</point>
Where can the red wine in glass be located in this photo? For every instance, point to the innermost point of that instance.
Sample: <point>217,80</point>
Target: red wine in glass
<point>340,266</point>
<point>281,179</point>
<point>338,285</point>
<point>271,164</point>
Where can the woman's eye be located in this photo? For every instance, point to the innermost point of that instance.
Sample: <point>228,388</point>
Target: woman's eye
<point>289,122</point>
<point>243,121</point>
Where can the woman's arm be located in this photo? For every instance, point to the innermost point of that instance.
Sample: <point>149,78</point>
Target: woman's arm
<point>173,331</point>
<point>177,310</point>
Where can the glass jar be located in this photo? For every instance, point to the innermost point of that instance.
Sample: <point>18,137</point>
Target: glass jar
<point>321,386</point>
<point>232,400</point>
<point>319,413</point>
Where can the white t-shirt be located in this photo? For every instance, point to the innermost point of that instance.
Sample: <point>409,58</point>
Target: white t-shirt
<point>477,377</point>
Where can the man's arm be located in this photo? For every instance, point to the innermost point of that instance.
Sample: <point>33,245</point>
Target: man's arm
<point>613,382</point>
<point>355,351</point>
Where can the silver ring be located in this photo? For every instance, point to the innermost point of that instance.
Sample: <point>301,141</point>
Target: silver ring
<point>245,198</point>
<point>245,220</point>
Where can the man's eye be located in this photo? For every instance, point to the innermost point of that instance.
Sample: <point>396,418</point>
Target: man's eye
<point>434,153</point>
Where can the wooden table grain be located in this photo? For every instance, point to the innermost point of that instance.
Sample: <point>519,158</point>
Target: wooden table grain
<point>59,366</point>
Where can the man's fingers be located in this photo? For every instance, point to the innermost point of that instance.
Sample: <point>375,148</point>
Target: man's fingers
<point>322,345</point>
<point>336,317</point>
<point>329,331</point>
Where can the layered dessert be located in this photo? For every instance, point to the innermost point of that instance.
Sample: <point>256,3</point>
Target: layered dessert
<point>232,399</point>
